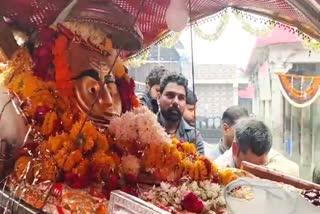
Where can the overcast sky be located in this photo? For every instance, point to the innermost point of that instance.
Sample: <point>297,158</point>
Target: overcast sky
<point>233,47</point>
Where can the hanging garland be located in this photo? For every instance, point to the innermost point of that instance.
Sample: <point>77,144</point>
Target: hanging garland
<point>311,44</point>
<point>217,32</point>
<point>260,32</point>
<point>299,98</point>
<point>172,38</point>
<point>138,59</point>
<point>170,41</point>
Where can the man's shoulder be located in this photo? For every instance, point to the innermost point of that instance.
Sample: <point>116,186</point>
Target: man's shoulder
<point>225,159</point>
<point>216,152</point>
<point>280,163</point>
<point>144,97</point>
<point>186,127</point>
<point>146,101</point>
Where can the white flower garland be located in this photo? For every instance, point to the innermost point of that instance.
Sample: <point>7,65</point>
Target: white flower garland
<point>139,125</point>
<point>211,194</point>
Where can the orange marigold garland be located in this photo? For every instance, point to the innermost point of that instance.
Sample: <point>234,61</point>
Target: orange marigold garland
<point>61,66</point>
<point>172,161</point>
<point>298,93</point>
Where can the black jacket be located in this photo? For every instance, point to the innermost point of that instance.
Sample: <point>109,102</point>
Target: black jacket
<point>187,133</point>
<point>147,101</point>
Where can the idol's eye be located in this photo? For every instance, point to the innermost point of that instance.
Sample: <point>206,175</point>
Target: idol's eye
<point>88,73</point>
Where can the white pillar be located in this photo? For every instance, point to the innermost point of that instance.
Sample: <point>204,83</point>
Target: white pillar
<point>267,113</point>
<point>261,115</point>
<point>295,132</point>
<point>288,127</point>
<point>306,142</point>
<point>315,114</point>
<point>277,114</point>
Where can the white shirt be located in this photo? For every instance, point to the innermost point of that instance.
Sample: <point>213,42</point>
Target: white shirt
<point>276,162</point>
<point>226,159</point>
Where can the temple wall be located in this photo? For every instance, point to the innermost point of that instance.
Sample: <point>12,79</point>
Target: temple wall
<point>295,130</point>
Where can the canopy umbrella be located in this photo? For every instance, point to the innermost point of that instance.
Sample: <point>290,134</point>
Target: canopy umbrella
<point>30,15</point>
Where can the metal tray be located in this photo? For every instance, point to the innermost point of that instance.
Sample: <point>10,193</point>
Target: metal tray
<point>9,205</point>
<point>123,203</point>
<point>120,203</point>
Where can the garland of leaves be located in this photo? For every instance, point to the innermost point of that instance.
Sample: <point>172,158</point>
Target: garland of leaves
<point>307,41</point>
<point>259,32</point>
<point>217,32</point>
<point>138,59</point>
<point>311,44</point>
<point>170,41</point>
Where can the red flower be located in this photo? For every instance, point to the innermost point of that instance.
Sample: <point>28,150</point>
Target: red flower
<point>42,56</point>
<point>192,203</point>
<point>57,126</point>
<point>216,178</point>
<point>130,190</point>
<point>40,113</point>
<point>56,189</point>
<point>126,91</point>
<point>111,184</point>
<point>130,178</point>
<point>96,192</point>
<point>76,181</point>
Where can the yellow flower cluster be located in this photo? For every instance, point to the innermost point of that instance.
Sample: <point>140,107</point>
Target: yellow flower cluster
<point>172,161</point>
<point>227,175</point>
<point>76,152</point>
<point>38,93</point>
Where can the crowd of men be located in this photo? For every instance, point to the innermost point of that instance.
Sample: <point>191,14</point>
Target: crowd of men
<point>244,138</point>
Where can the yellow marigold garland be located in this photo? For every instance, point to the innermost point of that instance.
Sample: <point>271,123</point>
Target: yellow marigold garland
<point>175,160</point>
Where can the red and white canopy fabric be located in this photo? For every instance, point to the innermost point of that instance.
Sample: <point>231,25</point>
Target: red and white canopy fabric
<point>303,14</point>
<point>153,25</point>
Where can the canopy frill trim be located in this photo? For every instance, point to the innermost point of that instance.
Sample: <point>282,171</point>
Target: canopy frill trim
<point>169,39</point>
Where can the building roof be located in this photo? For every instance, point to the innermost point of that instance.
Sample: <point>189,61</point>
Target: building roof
<point>277,36</point>
<point>247,92</point>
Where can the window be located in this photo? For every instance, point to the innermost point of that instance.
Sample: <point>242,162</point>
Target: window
<point>306,68</point>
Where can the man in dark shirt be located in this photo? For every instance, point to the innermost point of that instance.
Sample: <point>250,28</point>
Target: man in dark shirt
<point>189,113</point>
<point>149,99</point>
<point>172,103</point>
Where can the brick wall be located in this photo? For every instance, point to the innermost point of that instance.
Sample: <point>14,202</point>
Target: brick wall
<point>213,99</point>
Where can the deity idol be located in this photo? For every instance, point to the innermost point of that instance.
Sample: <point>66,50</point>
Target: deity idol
<point>70,73</point>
